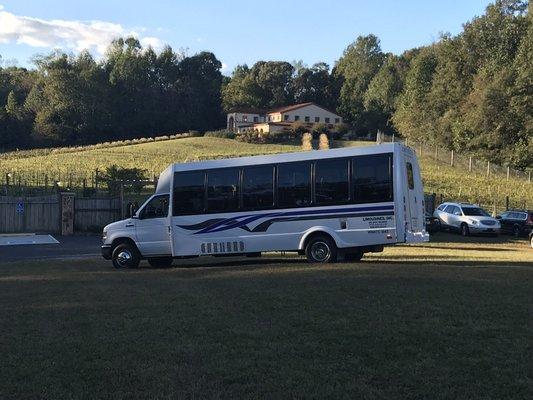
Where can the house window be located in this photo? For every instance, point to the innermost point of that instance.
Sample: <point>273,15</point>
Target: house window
<point>245,118</point>
<point>256,119</point>
<point>296,117</point>
<point>307,119</point>
<point>286,117</point>
<point>317,119</point>
<point>327,120</point>
<point>337,120</point>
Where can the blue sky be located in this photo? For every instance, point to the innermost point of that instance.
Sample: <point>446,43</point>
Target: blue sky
<point>237,31</point>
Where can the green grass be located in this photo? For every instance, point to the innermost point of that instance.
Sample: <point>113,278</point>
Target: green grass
<point>452,182</point>
<point>438,321</point>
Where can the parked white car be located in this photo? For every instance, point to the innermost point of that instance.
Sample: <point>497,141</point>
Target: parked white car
<point>466,218</point>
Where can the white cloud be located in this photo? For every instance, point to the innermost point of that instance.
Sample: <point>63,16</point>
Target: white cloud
<point>70,34</point>
<point>156,43</point>
<point>224,67</point>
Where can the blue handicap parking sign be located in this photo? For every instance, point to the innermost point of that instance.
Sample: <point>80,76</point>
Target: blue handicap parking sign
<point>20,207</point>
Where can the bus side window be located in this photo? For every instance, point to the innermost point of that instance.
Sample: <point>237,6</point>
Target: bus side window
<point>258,187</point>
<point>223,190</point>
<point>372,178</point>
<point>189,193</point>
<point>410,176</point>
<point>332,184</point>
<point>294,184</point>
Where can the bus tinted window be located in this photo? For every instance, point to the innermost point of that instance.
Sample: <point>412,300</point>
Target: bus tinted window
<point>189,192</point>
<point>258,187</point>
<point>331,181</point>
<point>372,178</point>
<point>294,184</point>
<point>223,190</point>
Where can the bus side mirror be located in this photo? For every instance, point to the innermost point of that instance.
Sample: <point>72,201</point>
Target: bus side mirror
<point>133,208</point>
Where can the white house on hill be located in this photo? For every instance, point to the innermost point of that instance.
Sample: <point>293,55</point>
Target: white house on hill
<point>279,119</point>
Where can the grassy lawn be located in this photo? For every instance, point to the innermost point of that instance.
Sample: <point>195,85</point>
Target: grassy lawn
<point>445,320</point>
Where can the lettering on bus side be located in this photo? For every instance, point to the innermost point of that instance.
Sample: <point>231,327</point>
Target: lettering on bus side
<point>378,221</point>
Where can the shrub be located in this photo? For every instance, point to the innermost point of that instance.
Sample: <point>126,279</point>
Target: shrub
<point>307,141</point>
<point>193,133</point>
<point>318,129</point>
<point>323,142</point>
<point>298,128</point>
<point>113,175</point>
<point>223,133</point>
<point>251,136</point>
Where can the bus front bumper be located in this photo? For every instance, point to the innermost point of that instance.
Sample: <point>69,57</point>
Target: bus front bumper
<point>106,251</point>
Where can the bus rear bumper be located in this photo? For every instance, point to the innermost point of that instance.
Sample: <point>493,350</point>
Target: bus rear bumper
<point>416,237</point>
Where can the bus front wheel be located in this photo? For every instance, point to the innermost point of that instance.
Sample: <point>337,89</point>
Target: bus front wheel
<point>321,249</point>
<point>125,255</point>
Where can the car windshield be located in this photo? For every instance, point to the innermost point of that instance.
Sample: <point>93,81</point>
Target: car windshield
<point>475,211</point>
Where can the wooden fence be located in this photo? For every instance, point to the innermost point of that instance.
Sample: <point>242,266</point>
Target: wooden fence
<point>30,214</point>
<point>92,214</point>
<point>47,214</point>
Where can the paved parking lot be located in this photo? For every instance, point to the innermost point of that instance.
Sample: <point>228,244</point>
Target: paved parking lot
<point>69,246</point>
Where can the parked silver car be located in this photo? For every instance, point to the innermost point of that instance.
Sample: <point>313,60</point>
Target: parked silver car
<point>466,218</point>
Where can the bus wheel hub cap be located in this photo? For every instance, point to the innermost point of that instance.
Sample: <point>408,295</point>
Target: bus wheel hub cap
<point>123,257</point>
<point>320,251</point>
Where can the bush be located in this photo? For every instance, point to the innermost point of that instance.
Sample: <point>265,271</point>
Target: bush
<point>223,133</point>
<point>113,175</point>
<point>252,136</point>
<point>194,133</point>
<point>318,129</point>
<point>307,142</point>
<point>298,128</point>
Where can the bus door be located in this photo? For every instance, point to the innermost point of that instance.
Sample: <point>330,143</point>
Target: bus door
<point>414,197</point>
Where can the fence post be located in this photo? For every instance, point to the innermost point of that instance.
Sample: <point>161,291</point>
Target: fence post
<point>451,159</point>
<point>488,168</point>
<point>470,164</point>
<point>96,179</point>
<point>436,152</point>
<point>506,203</point>
<point>420,150</point>
<point>66,213</point>
<point>508,171</point>
<point>529,179</point>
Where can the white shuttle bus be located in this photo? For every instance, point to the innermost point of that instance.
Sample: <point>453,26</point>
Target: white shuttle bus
<point>327,204</point>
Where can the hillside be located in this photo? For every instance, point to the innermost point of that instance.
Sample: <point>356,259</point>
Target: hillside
<point>80,163</point>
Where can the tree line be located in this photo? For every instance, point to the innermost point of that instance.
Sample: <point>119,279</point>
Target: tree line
<point>472,92</point>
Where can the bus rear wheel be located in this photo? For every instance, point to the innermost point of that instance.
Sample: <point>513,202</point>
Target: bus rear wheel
<point>321,249</point>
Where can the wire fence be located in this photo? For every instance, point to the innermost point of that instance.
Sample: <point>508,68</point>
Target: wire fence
<point>92,183</point>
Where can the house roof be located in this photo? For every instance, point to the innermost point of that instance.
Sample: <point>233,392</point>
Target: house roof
<point>247,110</point>
<point>281,110</point>
<point>285,109</point>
